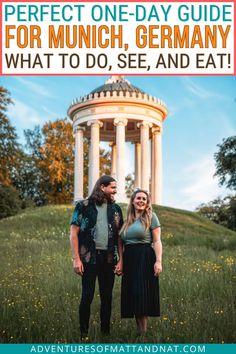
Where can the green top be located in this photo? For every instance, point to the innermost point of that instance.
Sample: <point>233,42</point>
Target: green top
<point>101,234</point>
<point>137,234</point>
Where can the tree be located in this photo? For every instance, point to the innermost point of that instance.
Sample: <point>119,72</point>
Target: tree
<point>129,184</point>
<point>105,164</point>
<point>9,146</point>
<point>9,201</point>
<point>34,141</point>
<point>221,211</point>
<point>231,214</point>
<point>56,161</point>
<point>16,167</point>
<point>26,180</point>
<point>212,210</point>
<point>31,177</point>
<point>5,99</point>
<point>226,163</point>
<point>48,169</point>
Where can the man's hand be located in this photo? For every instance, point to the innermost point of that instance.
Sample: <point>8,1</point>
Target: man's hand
<point>119,268</point>
<point>78,266</point>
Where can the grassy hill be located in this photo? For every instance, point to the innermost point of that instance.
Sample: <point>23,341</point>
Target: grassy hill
<point>40,293</point>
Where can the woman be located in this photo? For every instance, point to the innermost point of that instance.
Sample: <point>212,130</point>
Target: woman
<point>142,262</point>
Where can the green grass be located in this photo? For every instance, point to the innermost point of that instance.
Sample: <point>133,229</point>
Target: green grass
<point>40,293</point>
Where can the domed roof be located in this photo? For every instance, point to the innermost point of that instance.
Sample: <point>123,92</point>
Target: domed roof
<point>117,83</point>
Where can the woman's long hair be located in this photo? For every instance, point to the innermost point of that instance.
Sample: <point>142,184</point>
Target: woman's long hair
<point>97,195</point>
<point>146,216</point>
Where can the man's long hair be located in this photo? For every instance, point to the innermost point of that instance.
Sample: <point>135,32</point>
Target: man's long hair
<point>146,216</point>
<point>97,195</point>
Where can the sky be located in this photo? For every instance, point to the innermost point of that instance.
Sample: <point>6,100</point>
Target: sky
<point>202,112</point>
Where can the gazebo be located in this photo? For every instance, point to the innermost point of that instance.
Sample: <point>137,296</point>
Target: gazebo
<point>118,112</point>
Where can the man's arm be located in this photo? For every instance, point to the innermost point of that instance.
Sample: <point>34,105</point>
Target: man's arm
<point>74,244</point>
<point>119,266</point>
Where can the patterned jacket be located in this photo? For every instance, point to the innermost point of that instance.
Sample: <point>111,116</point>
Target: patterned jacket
<point>85,216</point>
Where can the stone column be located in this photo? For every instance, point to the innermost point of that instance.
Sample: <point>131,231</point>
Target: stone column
<point>157,165</point>
<point>144,139</point>
<point>113,159</point>
<point>137,181</point>
<point>152,167</point>
<point>120,158</point>
<point>79,163</point>
<point>94,153</point>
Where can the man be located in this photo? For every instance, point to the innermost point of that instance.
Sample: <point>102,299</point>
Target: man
<point>94,239</point>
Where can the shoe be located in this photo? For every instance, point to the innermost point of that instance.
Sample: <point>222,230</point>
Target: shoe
<point>84,339</point>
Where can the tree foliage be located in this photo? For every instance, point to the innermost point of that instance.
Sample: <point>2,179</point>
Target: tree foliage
<point>34,141</point>
<point>27,179</point>
<point>9,201</point>
<point>226,163</point>
<point>5,99</point>
<point>9,146</point>
<point>30,178</point>
<point>43,173</point>
<point>129,184</point>
<point>51,157</point>
<point>105,164</point>
<point>56,161</point>
<point>221,211</point>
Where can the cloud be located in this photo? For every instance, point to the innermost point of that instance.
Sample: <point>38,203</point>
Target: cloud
<point>201,186</point>
<point>49,112</point>
<point>198,90</point>
<point>227,128</point>
<point>177,107</point>
<point>23,115</point>
<point>33,87</point>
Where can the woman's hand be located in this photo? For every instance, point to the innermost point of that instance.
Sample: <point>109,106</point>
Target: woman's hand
<point>157,268</point>
<point>78,266</point>
<point>119,268</point>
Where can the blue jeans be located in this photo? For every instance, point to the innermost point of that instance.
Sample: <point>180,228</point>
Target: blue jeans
<point>105,273</point>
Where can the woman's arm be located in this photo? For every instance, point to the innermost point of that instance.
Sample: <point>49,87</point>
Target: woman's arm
<point>157,246</point>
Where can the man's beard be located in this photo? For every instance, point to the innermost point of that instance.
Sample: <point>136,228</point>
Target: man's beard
<point>109,197</point>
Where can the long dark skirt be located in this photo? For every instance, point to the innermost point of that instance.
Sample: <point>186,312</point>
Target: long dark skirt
<point>140,288</point>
